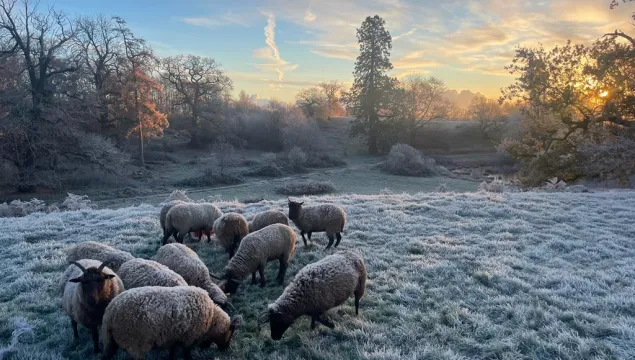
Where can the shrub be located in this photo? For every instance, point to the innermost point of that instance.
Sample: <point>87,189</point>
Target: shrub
<point>210,178</point>
<point>324,160</point>
<point>267,170</point>
<point>407,161</point>
<point>18,208</point>
<point>495,186</point>
<point>297,158</point>
<point>306,188</point>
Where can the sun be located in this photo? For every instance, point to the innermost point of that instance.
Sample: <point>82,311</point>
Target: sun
<point>604,93</point>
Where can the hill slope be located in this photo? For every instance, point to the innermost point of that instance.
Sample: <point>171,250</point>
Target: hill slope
<point>451,276</point>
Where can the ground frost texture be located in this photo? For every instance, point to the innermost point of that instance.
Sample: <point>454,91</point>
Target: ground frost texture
<point>451,276</point>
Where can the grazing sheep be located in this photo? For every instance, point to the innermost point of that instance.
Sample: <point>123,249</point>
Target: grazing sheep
<point>266,218</point>
<point>186,263</point>
<point>230,229</point>
<point>98,251</point>
<point>150,317</point>
<point>319,218</point>
<point>140,272</point>
<point>317,288</point>
<point>273,242</point>
<point>87,287</point>
<point>186,217</point>
<point>164,213</point>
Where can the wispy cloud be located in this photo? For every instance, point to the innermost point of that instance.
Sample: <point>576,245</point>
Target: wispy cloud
<point>397,37</point>
<point>271,53</point>
<point>309,16</point>
<point>226,19</point>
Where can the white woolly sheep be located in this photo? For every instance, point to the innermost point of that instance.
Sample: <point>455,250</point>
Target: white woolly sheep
<point>317,288</point>
<point>328,218</point>
<point>266,218</point>
<point>164,213</point>
<point>186,217</point>
<point>150,317</point>
<point>230,229</point>
<point>273,242</point>
<point>186,263</point>
<point>140,272</point>
<point>87,287</point>
<point>98,251</point>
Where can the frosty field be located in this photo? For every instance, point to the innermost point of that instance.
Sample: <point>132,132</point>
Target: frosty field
<point>451,276</point>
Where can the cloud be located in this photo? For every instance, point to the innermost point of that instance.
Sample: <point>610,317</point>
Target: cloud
<point>226,19</point>
<point>271,53</point>
<point>414,63</point>
<point>336,53</point>
<point>397,37</point>
<point>309,16</point>
<point>479,37</point>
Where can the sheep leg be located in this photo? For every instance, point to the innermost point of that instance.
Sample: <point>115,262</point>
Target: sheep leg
<point>172,355</point>
<point>313,317</point>
<point>357,297</point>
<point>253,278</point>
<point>95,332</point>
<point>180,238</point>
<point>261,272</point>
<point>325,321</point>
<point>303,238</point>
<point>309,235</point>
<point>74,326</point>
<point>166,236</point>
<point>187,353</point>
<point>339,238</point>
<point>331,240</point>
<point>282,271</point>
<point>110,350</point>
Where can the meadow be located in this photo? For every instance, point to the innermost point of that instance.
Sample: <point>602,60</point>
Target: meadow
<point>531,275</point>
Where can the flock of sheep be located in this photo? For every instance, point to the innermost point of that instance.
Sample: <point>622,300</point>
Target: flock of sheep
<point>172,302</point>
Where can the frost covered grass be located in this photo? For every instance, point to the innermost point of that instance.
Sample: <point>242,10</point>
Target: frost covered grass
<point>451,276</point>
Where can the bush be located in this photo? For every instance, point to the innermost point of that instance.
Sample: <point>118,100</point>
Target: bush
<point>17,208</point>
<point>297,158</point>
<point>496,186</point>
<point>267,170</point>
<point>210,178</point>
<point>324,160</point>
<point>306,188</point>
<point>407,161</point>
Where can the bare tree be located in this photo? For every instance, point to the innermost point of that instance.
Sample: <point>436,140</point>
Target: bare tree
<point>311,100</point>
<point>40,39</point>
<point>331,90</point>
<point>39,42</point>
<point>101,47</point>
<point>424,102</point>
<point>197,80</point>
<point>489,114</point>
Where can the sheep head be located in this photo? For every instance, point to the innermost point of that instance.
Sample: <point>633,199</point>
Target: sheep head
<point>92,282</point>
<point>278,321</point>
<point>294,209</point>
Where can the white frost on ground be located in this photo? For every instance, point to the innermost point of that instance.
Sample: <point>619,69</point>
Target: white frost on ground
<point>451,276</point>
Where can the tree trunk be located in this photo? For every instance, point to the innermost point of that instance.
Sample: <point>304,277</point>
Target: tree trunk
<point>142,160</point>
<point>413,136</point>
<point>372,135</point>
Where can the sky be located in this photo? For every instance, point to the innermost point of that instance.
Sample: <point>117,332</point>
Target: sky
<point>274,48</point>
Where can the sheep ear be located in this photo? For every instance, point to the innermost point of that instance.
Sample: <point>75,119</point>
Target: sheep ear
<point>301,203</point>
<point>75,280</point>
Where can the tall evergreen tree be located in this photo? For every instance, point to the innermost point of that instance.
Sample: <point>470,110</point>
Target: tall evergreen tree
<point>369,97</point>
